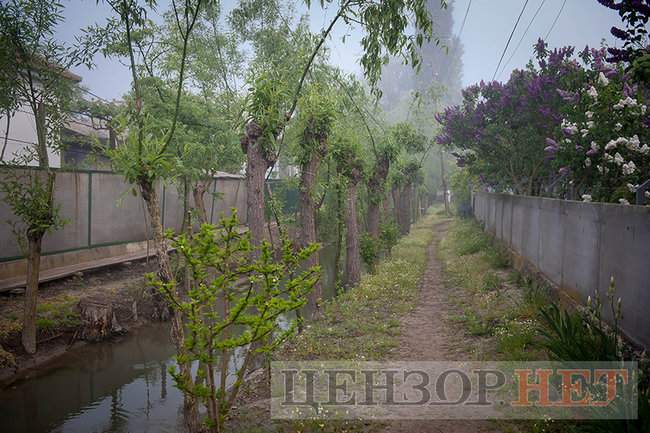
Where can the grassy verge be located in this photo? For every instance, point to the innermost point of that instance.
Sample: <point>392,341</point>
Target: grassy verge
<point>494,301</point>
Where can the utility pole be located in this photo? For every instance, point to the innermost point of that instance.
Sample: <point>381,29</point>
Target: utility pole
<point>444,182</point>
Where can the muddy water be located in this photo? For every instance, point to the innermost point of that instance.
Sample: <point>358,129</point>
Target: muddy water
<point>118,387</point>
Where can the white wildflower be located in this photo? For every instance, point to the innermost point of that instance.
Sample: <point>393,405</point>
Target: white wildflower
<point>623,201</point>
<point>602,79</point>
<point>586,198</point>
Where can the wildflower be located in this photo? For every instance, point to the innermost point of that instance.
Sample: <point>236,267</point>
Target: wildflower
<point>586,198</point>
<point>623,201</point>
<point>632,187</point>
<point>629,168</point>
<point>602,79</point>
<point>618,159</point>
<point>592,92</point>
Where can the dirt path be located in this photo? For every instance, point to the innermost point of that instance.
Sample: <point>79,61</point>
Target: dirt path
<point>428,335</point>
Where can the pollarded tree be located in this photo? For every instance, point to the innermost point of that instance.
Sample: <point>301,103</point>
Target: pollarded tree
<point>316,115</point>
<point>391,27</point>
<point>34,73</point>
<point>347,151</point>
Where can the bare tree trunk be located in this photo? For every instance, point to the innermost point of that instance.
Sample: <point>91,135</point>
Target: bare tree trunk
<point>198,193</point>
<point>162,310</point>
<point>257,162</point>
<point>308,175</point>
<point>352,257</point>
<point>405,210</point>
<point>444,182</point>
<point>376,194</point>
<point>396,205</point>
<point>339,233</point>
<point>28,337</point>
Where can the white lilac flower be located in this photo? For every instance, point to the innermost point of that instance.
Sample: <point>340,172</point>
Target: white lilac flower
<point>592,92</point>
<point>607,157</point>
<point>618,126</point>
<point>586,198</point>
<point>632,187</point>
<point>587,162</point>
<point>611,144</point>
<point>645,149</point>
<point>618,159</point>
<point>595,146</point>
<point>633,142</point>
<point>629,168</point>
<point>591,124</point>
<point>618,106</point>
<point>602,79</point>
<point>623,201</point>
<point>602,169</point>
<point>622,140</point>
<point>567,141</point>
<point>589,114</point>
<point>647,194</point>
<point>644,108</point>
<point>629,102</point>
<point>584,132</point>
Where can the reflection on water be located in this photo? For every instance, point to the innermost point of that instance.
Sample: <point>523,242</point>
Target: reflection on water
<point>109,388</point>
<point>121,387</point>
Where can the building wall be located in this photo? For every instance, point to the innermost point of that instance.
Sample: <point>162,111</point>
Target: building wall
<point>22,136</point>
<point>579,247</point>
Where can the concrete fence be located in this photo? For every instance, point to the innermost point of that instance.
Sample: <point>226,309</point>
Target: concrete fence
<point>579,247</point>
<point>103,211</point>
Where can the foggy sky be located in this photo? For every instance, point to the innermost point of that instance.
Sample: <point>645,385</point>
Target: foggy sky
<point>489,23</point>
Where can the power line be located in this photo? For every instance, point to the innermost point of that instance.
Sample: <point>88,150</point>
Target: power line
<point>462,26</point>
<point>510,39</point>
<point>522,36</point>
<point>555,20</point>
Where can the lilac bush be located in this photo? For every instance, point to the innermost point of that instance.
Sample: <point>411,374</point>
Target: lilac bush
<point>570,125</point>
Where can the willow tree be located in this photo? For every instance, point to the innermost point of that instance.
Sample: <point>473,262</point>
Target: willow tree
<point>316,115</point>
<point>391,27</point>
<point>347,153</point>
<point>34,76</point>
<point>146,157</point>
